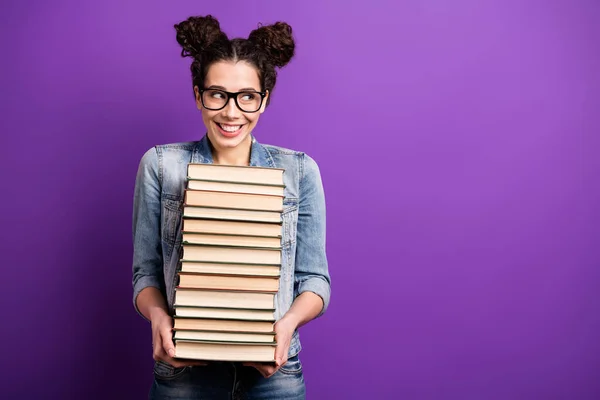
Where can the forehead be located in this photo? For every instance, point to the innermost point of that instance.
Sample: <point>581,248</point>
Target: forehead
<point>232,76</point>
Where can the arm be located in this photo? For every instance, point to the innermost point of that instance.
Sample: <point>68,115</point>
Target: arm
<point>312,279</point>
<point>148,280</point>
<point>151,303</point>
<point>305,308</point>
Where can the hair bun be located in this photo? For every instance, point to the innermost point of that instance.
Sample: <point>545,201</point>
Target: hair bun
<point>195,34</point>
<point>276,41</point>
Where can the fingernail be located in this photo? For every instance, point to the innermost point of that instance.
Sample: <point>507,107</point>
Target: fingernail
<point>171,352</point>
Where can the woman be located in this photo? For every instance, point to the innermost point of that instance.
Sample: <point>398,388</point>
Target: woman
<point>233,81</point>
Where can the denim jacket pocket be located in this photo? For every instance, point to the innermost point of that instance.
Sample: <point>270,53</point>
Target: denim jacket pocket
<point>289,217</point>
<point>171,220</point>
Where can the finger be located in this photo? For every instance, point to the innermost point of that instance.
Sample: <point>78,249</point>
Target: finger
<point>278,352</point>
<point>270,371</point>
<point>194,363</point>
<point>182,362</point>
<point>175,363</point>
<point>158,351</point>
<point>187,363</point>
<point>279,358</point>
<point>264,373</point>
<point>281,355</point>
<point>167,342</point>
<point>261,368</point>
<point>267,370</point>
<point>281,361</point>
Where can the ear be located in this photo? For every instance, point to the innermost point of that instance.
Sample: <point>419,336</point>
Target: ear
<point>197,96</point>
<point>264,104</point>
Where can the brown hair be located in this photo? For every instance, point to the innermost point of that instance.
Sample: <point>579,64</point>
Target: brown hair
<point>266,48</point>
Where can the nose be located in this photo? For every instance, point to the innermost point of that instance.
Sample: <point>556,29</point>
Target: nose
<point>230,111</point>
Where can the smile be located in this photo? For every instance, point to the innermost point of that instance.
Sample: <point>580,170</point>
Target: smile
<point>229,128</point>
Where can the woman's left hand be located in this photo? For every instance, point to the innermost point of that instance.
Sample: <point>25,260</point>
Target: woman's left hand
<point>284,329</point>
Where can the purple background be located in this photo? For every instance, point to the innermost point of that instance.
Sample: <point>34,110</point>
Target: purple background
<point>458,143</point>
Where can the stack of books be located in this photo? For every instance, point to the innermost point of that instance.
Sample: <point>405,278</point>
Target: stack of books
<point>230,263</point>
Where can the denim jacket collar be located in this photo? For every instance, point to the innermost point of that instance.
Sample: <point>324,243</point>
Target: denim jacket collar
<point>259,156</point>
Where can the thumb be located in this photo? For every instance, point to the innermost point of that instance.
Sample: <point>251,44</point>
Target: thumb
<point>167,342</point>
<point>279,356</point>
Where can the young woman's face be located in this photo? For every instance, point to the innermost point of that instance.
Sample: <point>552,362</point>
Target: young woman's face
<point>230,126</point>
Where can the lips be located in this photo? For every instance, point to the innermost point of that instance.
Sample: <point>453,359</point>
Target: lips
<point>229,130</point>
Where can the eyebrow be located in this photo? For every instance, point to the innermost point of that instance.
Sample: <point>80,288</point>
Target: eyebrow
<point>241,90</point>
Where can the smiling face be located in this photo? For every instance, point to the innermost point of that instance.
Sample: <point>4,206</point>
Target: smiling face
<point>229,127</point>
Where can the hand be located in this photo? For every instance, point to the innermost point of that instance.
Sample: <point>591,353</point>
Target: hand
<point>162,341</point>
<point>284,329</point>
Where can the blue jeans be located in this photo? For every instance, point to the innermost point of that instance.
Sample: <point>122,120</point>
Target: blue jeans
<point>225,380</point>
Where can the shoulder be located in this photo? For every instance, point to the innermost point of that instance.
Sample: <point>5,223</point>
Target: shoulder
<point>285,157</point>
<point>303,176</point>
<point>156,154</point>
<point>175,149</point>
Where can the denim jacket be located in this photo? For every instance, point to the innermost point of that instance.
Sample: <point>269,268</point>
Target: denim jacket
<point>157,214</point>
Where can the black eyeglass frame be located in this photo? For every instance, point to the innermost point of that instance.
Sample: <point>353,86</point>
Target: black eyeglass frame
<point>233,95</point>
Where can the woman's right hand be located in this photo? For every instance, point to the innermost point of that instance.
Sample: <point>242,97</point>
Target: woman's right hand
<point>162,341</point>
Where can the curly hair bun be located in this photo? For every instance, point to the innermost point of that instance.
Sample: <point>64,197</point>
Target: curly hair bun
<point>195,34</point>
<point>276,41</point>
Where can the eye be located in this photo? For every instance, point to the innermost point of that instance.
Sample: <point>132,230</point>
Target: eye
<point>215,94</point>
<point>248,97</point>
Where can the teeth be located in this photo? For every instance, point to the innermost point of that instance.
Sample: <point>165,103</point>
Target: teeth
<point>230,128</point>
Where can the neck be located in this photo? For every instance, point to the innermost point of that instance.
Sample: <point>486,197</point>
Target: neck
<point>239,155</point>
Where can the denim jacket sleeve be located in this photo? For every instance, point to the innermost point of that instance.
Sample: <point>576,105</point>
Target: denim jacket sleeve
<point>147,249</point>
<point>311,271</point>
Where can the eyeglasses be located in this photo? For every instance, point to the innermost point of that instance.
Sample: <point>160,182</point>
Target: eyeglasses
<point>246,101</point>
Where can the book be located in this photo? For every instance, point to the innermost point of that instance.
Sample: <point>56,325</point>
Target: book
<point>239,228</point>
<point>235,187</point>
<point>231,214</point>
<point>224,298</point>
<point>231,254</point>
<point>246,282</point>
<point>227,325</point>
<point>226,313</point>
<point>229,268</point>
<point>212,336</point>
<point>229,240</point>
<point>231,351</point>
<point>237,174</point>
<point>242,201</point>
